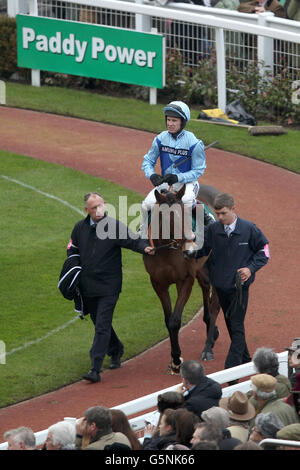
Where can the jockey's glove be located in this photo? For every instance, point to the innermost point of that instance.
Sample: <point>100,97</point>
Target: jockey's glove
<point>156,179</point>
<point>170,179</point>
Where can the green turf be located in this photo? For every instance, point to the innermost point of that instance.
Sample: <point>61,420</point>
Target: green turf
<point>34,234</point>
<point>280,150</point>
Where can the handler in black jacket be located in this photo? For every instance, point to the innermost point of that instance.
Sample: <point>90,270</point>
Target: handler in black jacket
<point>238,249</point>
<point>98,239</point>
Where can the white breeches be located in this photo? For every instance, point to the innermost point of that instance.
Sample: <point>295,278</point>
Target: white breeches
<point>189,198</point>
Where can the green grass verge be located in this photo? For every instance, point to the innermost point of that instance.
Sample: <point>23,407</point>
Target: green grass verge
<point>279,150</point>
<point>34,235</point>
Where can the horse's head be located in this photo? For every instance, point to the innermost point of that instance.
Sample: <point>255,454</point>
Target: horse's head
<point>172,222</point>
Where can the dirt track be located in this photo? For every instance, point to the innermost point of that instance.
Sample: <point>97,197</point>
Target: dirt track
<point>267,195</point>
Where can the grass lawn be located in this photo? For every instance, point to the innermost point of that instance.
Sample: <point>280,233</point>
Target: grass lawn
<point>35,232</point>
<point>280,150</point>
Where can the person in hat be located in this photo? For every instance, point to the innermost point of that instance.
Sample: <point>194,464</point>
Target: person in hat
<point>171,147</point>
<point>219,417</point>
<point>266,426</point>
<point>266,362</point>
<point>263,386</point>
<point>290,432</point>
<point>241,411</point>
<point>294,397</point>
<point>293,360</point>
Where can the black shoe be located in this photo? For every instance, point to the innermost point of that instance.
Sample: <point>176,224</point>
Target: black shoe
<point>92,376</point>
<point>115,360</point>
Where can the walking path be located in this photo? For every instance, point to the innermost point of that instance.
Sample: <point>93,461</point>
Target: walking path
<point>265,194</point>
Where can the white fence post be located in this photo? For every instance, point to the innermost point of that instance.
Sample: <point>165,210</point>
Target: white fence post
<point>16,6</point>
<point>143,24</point>
<point>221,69</point>
<point>265,45</point>
<point>35,74</point>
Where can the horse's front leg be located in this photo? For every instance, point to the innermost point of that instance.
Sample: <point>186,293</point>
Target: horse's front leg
<point>184,291</point>
<point>164,297</point>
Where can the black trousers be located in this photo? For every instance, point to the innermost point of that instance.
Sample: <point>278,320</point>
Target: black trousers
<point>105,341</point>
<point>238,352</point>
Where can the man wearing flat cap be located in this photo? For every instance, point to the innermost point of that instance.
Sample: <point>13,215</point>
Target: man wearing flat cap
<point>266,401</point>
<point>289,433</point>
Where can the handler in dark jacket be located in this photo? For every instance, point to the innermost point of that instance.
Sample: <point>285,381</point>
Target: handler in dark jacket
<point>98,239</point>
<point>200,392</point>
<point>238,249</point>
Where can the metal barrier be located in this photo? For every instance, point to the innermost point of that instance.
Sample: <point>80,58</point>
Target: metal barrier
<point>148,402</point>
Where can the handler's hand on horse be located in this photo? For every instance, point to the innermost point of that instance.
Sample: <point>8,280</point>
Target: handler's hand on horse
<point>245,273</point>
<point>170,179</point>
<point>156,179</point>
<point>149,250</point>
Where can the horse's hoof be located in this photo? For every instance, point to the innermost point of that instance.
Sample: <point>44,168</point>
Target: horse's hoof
<point>207,356</point>
<point>174,369</point>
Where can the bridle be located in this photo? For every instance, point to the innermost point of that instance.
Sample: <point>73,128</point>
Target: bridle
<point>172,245</point>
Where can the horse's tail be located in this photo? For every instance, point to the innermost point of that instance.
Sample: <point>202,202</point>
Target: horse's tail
<point>207,195</point>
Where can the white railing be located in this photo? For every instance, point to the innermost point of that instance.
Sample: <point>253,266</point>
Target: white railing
<point>278,442</point>
<point>196,31</point>
<point>148,402</point>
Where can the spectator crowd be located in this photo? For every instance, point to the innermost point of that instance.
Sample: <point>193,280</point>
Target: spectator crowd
<point>195,416</point>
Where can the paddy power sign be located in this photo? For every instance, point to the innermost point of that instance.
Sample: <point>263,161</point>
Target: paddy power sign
<point>91,50</point>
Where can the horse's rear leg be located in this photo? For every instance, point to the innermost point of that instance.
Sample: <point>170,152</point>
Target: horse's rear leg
<point>211,309</point>
<point>212,331</point>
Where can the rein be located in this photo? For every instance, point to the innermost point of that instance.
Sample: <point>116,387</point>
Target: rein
<point>173,245</point>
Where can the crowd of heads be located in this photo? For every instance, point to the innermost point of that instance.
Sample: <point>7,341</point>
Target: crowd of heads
<point>240,421</point>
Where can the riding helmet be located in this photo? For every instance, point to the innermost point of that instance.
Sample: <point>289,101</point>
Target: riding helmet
<point>178,109</point>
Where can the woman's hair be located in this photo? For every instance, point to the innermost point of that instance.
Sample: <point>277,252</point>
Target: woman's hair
<point>170,399</point>
<point>185,425</point>
<point>169,415</point>
<point>120,423</point>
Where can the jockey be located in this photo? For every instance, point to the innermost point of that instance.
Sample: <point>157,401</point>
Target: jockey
<point>173,146</point>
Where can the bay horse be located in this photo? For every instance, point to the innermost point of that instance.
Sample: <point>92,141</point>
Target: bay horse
<point>173,263</point>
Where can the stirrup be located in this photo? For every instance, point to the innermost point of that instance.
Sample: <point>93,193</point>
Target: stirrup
<point>173,369</point>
